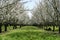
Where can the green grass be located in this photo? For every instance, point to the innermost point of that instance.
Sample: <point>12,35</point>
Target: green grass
<point>30,28</point>
<point>29,33</point>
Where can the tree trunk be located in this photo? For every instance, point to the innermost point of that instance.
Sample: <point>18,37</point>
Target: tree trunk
<point>20,26</point>
<point>14,27</point>
<point>53,28</point>
<point>59,29</point>
<point>0,28</point>
<point>5,27</point>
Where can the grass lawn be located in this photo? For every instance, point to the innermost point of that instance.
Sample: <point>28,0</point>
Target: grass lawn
<point>29,33</point>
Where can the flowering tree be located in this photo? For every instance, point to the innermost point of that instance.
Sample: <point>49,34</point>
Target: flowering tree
<point>9,11</point>
<point>48,11</point>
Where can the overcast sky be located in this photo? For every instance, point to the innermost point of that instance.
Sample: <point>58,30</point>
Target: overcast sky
<point>31,4</point>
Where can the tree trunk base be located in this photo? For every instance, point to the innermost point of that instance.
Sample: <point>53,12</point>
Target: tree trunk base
<point>0,29</point>
<point>59,29</point>
<point>53,28</point>
<point>5,28</point>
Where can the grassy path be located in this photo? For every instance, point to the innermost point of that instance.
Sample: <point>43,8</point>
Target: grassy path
<point>29,33</point>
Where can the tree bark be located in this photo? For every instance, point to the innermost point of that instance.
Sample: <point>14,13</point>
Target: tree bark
<point>0,28</point>
<point>53,28</point>
<point>20,26</point>
<point>5,27</point>
<point>14,27</point>
<point>59,29</point>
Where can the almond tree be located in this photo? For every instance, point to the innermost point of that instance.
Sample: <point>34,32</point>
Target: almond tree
<point>56,7</point>
<point>8,11</point>
<point>40,14</point>
<point>49,11</point>
<point>50,14</point>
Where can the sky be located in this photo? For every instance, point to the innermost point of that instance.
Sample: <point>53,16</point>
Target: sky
<point>30,5</point>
